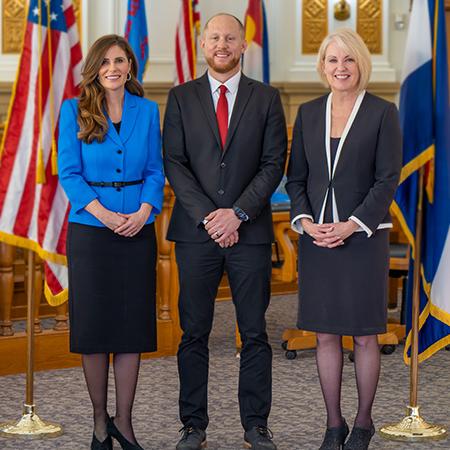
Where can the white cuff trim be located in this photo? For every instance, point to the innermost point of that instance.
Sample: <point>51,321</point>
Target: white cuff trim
<point>296,223</point>
<point>362,225</point>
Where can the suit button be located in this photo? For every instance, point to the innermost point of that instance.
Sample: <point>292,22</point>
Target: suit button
<point>221,192</point>
<point>118,189</point>
<point>118,170</point>
<point>223,165</point>
<point>119,152</point>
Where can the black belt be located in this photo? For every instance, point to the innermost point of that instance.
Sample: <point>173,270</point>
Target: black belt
<point>115,184</point>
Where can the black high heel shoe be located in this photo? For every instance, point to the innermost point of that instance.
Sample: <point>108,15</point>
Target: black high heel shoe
<point>359,438</point>
<point>105,445</point>
<point>121,439</point>
<point>335,437</point>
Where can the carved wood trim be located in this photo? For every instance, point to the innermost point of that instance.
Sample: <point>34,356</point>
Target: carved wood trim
<point>13,23</point>
<point>369,24</point>
<point>314,25</point>
<point>13,20</point>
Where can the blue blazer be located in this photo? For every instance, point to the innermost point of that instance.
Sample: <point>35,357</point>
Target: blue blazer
<point>133,154</point>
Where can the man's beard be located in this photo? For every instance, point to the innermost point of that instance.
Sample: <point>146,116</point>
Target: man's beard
<point>223,68</point>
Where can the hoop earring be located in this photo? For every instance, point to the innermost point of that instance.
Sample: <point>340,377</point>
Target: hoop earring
<point>128,76</point>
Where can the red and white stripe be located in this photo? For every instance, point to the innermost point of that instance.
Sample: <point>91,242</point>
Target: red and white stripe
<point>35,215</point>
<point>185,42</point>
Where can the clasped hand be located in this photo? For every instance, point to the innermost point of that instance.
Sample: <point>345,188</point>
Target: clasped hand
<point>128,225</point>
<point>222,227</point>
<point>329,235</point>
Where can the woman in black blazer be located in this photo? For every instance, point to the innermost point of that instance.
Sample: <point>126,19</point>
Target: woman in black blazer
<point>343,173</point>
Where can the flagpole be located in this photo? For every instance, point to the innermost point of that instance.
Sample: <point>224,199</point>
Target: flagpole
<point>413,427</point>
<point>30,424</point>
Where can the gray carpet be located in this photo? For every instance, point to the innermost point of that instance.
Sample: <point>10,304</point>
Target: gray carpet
<point>297,418</point>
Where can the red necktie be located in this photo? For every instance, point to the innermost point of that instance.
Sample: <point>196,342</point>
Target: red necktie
<point>222,114</point>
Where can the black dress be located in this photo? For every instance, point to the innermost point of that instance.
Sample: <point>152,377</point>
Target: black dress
<point>344,290</point>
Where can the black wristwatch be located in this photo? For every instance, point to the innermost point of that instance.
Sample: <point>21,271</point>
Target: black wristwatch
<point>241,215</point>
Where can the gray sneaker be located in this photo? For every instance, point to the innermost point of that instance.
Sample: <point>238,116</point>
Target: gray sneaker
<point>192,439</point>
<point>259,438</point>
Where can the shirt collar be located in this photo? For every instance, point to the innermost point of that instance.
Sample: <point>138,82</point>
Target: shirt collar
<point>232,83</point>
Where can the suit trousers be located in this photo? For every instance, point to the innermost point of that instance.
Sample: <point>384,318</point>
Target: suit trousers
<point>249,267</point>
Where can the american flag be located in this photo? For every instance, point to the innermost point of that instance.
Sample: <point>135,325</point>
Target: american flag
<point>188,29</point>
<point>33,206</point>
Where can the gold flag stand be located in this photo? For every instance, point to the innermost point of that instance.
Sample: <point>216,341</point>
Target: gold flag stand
<point>30,424</point>
<point>413,427</point>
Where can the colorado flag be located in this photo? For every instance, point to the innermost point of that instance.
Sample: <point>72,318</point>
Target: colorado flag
<point>256,59</point>
<point>425,120</point>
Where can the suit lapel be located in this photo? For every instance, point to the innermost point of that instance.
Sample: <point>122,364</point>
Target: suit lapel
<point>243,94</point>
<point>112,132</point>
<point>129,116</point>
<point>203,89</point>
<point>348,125</point>
<point>319,133</point>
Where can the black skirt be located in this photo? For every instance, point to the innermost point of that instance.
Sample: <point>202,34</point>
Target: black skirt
<point>112,290</point>
<point>344,290</point>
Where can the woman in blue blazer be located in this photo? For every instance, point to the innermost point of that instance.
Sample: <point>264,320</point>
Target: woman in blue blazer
<point>110,167</point>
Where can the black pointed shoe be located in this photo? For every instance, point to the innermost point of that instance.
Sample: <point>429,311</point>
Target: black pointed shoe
<point>97,445</point>
<point>259,438</point>
<point>192,439</point>
<point>120,438</point>
<point>359,438</point>
<point>335,437</point>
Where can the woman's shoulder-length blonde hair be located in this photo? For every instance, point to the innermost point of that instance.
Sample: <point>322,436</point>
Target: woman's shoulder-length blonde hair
<point>351,42</point>
<point>91,106</point>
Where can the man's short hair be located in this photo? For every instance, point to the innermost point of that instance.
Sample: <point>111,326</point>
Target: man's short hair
<point>240,24</point>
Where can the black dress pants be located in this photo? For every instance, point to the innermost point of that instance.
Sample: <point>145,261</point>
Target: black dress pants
<point>201,267</point>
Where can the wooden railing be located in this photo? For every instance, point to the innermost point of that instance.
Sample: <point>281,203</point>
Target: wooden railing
<point>13,273</point>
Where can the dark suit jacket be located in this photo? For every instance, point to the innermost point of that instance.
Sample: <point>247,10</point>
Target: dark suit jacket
<point>205,177</point>
<point>367,171</point>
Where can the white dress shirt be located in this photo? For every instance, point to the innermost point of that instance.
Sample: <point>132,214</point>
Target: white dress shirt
<point>232,85</point>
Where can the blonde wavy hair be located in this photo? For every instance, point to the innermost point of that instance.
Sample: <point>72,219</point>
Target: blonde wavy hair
<point>91,106</point>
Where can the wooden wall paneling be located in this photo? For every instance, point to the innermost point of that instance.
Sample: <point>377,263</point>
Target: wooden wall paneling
<point>292,94</point>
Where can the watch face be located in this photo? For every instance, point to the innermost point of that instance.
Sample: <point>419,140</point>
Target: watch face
<point>240,214</point>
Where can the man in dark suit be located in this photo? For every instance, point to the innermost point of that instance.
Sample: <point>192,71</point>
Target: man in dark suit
<point>224,153</point>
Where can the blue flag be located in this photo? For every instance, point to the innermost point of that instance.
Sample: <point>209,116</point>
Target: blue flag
<point>425,120</point>
<point>136,33</point>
